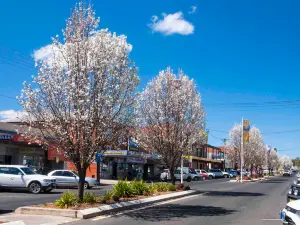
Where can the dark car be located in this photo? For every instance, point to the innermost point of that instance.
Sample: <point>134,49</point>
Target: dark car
<point>234,173</point>
<point>294,192</point>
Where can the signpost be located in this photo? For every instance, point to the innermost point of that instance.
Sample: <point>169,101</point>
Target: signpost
<point>98,161</point>
<point>244,139</point>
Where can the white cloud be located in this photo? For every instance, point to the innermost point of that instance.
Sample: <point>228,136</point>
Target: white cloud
<point>11,115</point>
<point>43,54</point>
<point>172,24</point>
<point>193,9</point>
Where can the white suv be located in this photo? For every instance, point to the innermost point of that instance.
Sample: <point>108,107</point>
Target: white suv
<point>17,176</point>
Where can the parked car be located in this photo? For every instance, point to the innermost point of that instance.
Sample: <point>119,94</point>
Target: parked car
<point>67,178</point>
<point>207,175</point>
<point>165,175</point>
<point>227,175</point>
<point>18,176</point>
<point>287,173</point>
<point>233,173</point>
<point>290,215</point>
<point>294,191</point>
<point>217,172</point>
<point>202,174</point>
<point>189,174</point>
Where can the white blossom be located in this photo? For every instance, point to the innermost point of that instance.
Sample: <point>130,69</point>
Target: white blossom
<point>286,163</point>
<point>171,116</point>
<point>84,93</point>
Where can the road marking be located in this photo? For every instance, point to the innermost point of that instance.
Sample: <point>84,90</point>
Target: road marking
<point>148,206</point>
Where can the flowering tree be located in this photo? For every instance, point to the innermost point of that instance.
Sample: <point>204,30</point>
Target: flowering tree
<point>286,162</point>
<point>83,95</point>
<point>254,150</point>
<point>233,145</point>
<point>171,117</point>
<point>273,160</point>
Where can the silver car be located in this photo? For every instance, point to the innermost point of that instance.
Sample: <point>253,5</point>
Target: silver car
<point>67,178</point>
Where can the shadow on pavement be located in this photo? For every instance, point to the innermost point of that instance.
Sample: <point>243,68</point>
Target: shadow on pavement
<point>5,211</point>
<point>272,182</point>
<point>233,194</point>
<point>167,212</point>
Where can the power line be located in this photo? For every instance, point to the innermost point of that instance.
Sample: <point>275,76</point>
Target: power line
<point>290,149</point>
<point>6,96</point>
<point>254,103</point>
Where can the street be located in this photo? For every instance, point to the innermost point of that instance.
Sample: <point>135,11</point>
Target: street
<point>220,202</point>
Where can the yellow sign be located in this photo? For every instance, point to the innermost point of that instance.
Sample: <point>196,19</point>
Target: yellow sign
<point>246,129</point>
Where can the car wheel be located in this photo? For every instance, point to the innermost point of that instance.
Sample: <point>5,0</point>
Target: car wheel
<point>189,179</point>
<point>86,185</point>
<point>35,187</point>
<point>210,177</point>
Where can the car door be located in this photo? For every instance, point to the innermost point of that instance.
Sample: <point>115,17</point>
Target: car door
<point>70,178</point>
<point>60,179</point>
<point>5,181</point>
<point>16,178</point>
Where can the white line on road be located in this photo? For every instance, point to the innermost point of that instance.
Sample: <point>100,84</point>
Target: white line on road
<point>148,206</point>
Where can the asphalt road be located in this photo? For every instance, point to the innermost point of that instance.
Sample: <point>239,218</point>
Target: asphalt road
<point>220,202</point>
<point>12,199</point>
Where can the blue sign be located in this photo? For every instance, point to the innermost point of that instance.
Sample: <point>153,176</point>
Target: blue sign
<point>6,137</point>
<point>133,146</point>
<point>98,157</point>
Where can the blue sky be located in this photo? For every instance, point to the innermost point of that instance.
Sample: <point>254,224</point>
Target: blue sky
<point>237,51</point>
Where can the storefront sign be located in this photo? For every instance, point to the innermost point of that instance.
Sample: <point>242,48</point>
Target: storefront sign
<point>27,151</point>
<point>136,160</point>
<point>133,153</point>
<point>115,152</point>
<point>5,137</point>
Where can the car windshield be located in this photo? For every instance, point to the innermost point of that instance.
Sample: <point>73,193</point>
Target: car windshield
<point>27,171</point>
<point>75,173</point>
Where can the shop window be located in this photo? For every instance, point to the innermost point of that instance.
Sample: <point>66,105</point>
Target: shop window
<point>5,159</point>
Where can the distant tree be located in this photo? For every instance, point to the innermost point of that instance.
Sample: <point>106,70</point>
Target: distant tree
<point>286,162</point>
<point>83,95</point>
<point>296,162</point>
<point>171,117</point>
<point>273,160</point>
<point>233,145</point>
<point>254,150</point>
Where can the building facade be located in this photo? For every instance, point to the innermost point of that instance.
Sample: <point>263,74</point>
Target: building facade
<point>205,157</point>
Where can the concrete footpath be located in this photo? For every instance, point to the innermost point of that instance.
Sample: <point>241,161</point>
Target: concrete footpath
<point>35,219</point>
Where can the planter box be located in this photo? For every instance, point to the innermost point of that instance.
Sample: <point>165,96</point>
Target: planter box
<point>105,209</point>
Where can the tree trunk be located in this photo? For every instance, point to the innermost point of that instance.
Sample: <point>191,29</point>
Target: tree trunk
<point>81,173</point>
<point>173,179</point>
<point>251,169</point>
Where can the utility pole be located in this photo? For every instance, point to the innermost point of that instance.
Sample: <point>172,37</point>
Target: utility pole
<point>242,146</point>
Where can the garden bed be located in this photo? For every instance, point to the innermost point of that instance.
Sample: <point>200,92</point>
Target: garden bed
<point>99,203</point>
<point>121,193</point>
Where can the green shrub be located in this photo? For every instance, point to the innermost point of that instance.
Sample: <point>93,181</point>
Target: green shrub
<point>89,197</point>
<point>139,187</point>
<point>122,189</point>
<point>107,196</point>
<point>152,189</point>
<point>67,199</point>
<point>171,187</point>
<point>162,187</point>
